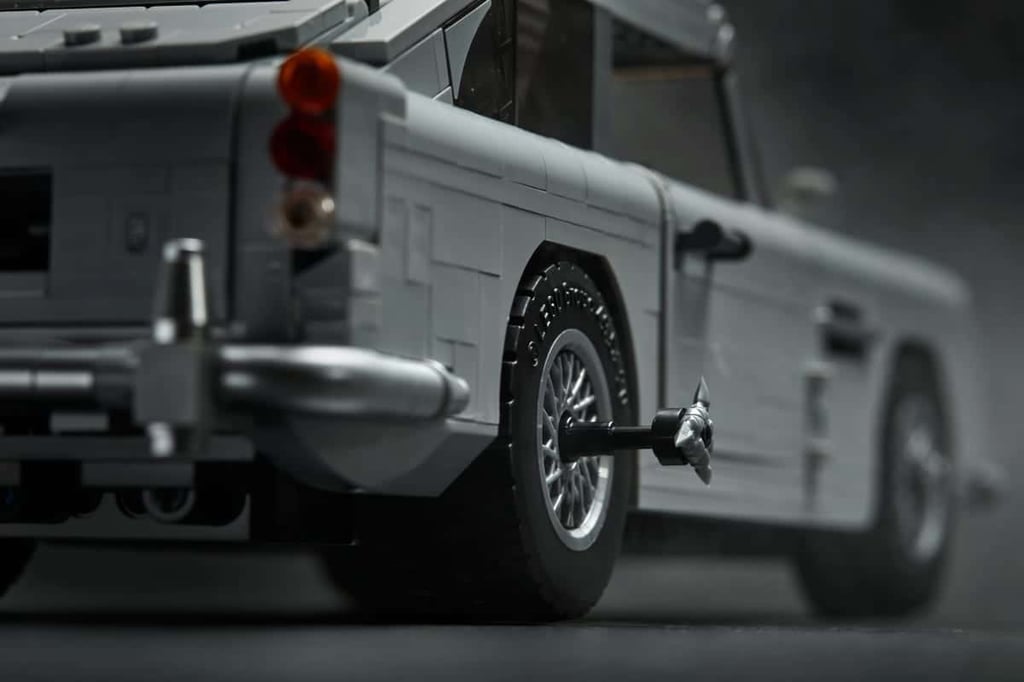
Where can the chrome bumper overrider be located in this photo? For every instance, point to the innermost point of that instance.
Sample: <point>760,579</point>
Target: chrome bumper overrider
<point>178,384</point>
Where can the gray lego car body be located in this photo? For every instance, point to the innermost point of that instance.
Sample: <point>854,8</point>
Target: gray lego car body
<point>124,128</point>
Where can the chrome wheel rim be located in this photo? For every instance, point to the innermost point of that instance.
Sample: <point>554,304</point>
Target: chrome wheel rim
<point>923,492</point>
<point>576,494</point>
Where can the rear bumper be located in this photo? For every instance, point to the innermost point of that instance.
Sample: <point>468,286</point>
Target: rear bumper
<point>221,404</point>
<point>328,414</point>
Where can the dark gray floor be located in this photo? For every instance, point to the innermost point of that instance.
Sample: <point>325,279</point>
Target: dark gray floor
<point>586,652</point>
<point>82,615</point>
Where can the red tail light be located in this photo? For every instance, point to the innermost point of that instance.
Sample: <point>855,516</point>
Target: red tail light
<point>303,147</point>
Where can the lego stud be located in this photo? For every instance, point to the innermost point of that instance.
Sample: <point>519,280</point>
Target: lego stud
<point>83,34</point>
<point>136,32</point>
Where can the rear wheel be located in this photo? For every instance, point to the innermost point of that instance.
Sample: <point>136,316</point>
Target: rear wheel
<point>520,535</point>
<point>896,567</point>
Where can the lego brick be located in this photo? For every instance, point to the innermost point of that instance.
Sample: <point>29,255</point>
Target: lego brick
<point>138,474</point>
<point>396,27</point>
<point>363,264</point>
<point>445,96</point>
<point>523,161</point>
<point>491,346</point>
<point>565,172</point>
<point>367,113</point>
<point>418,245</point>
<point>365,315</point>
<point>455,304</point>
<point>443,350</point>
<point>468,232</point>
<point>467,366</point>
<point>521,233</point>
<point>214,32</point>
<point>394,231</point>
<point>453,135</point>
<point>423,67</point>
<point>169,386</point>
<point>458,39</point>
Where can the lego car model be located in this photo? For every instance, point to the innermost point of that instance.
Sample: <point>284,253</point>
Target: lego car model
<point>404,280</point>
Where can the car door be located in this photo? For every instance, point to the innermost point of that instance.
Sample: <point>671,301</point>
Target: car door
<point>744,324</point>
<point>741,316</point>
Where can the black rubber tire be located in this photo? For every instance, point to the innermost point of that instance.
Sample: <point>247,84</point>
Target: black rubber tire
<point>871,574</point>
<point>486,550</point>
<point>14,557</point>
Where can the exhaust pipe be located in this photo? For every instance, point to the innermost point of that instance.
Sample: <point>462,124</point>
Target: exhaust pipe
<point>168,505</point>
<point>215,506</point>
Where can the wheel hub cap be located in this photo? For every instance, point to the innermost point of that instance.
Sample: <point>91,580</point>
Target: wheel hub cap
<point>576,492</point>
<point>922,479</point>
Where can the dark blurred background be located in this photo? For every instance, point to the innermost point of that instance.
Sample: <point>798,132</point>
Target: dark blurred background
<point>914,106</point>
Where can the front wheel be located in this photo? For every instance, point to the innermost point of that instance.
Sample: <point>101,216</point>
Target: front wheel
<point>896,567</point>
<point>521,534</point>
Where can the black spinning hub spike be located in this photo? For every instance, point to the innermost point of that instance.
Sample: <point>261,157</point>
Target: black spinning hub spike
<point>677,436</point>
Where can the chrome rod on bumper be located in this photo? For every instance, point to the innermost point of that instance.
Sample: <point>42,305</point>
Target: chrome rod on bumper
<point>68,376</point>
<point>324,380</point>
<point>313,379</point>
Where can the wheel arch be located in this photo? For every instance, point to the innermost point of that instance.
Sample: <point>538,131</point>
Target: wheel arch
<point>914,349</point>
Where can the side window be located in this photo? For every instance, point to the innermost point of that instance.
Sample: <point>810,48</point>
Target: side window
<point>488,78</point>
<point>555,64</point>
<point>665,111</point>
<point>531,64</point>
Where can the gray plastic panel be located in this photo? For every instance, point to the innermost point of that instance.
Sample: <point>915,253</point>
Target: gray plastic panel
<point>424,68</point>
<point>136,158</point>
<point>186,34</point>
<point>395,28</point>
<point>459,38</point>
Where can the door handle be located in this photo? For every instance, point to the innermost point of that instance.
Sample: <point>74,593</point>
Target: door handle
<point>843,329</point>
<point>714,241</point>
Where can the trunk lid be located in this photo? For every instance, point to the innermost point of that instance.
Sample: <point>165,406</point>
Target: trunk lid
<point>97,170</point>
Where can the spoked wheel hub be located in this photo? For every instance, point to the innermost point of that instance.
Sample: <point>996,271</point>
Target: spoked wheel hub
<point>921,478</point>
<point>573,383</point>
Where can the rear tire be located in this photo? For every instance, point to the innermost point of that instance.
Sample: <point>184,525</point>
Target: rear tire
<point>495,546</point>
<point>895,568</point>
